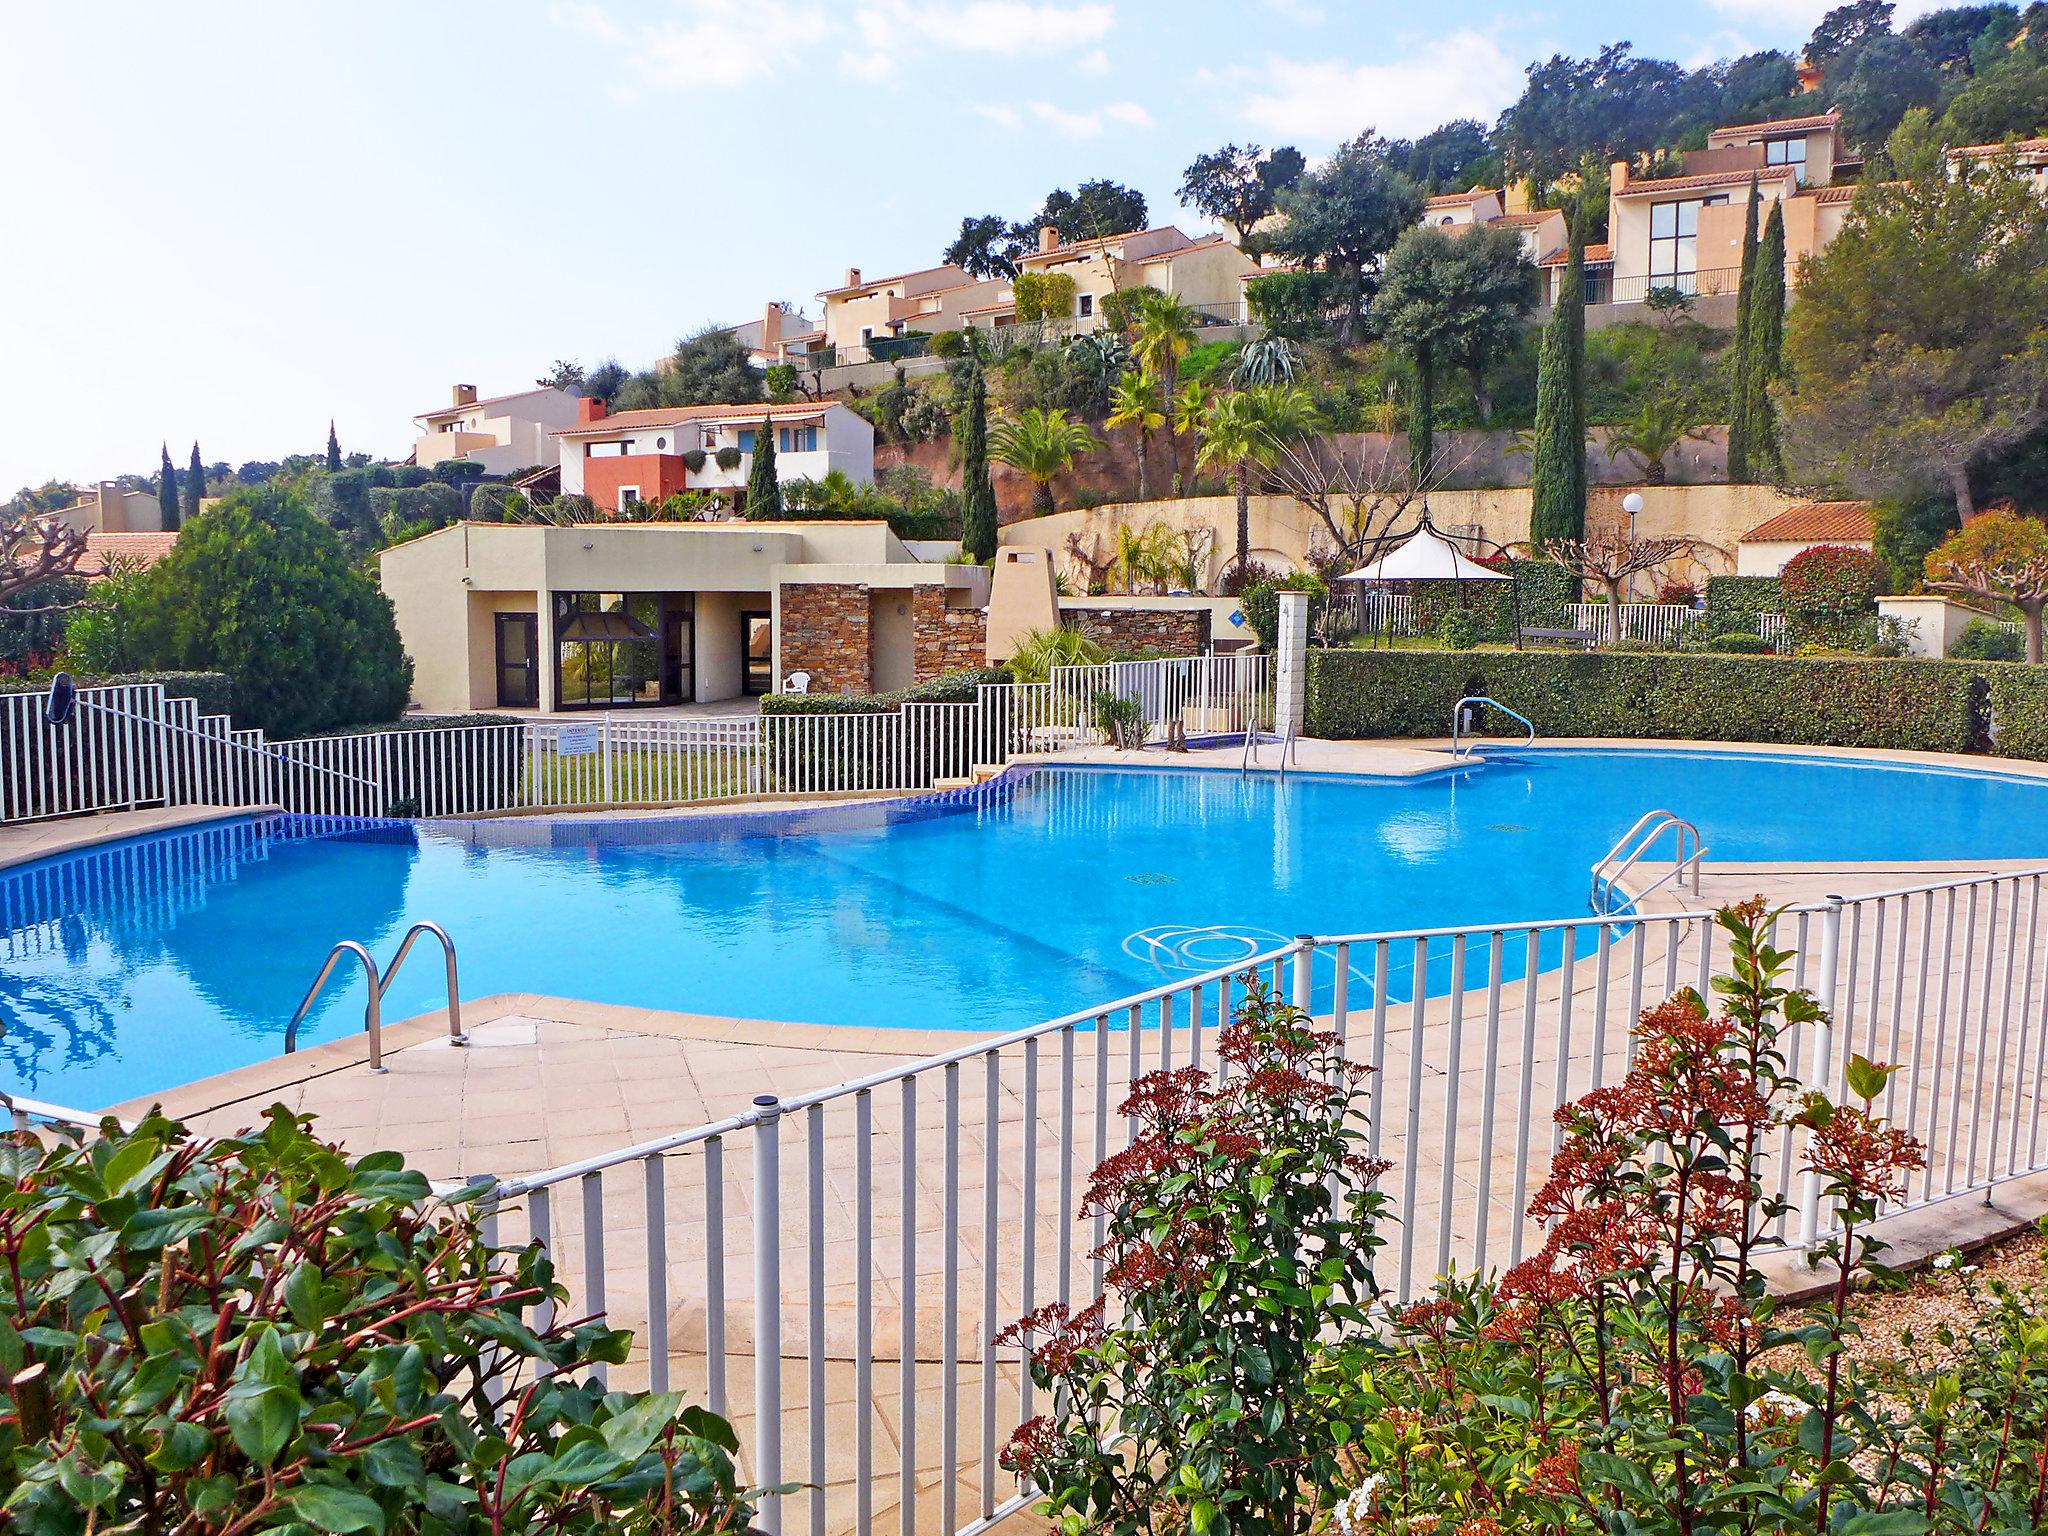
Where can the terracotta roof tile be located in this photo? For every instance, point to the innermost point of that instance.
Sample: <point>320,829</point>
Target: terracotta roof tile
<point>1596,256</point>
<point>906,278</point>
<point>1528,220</point>
<point>140,548</point>
<point>1819,522</point>
<point>676,415</point>
<point>2018,146</point>
<point>1459,199</point>
<point>1777,125</point>
<point>1703,182</point>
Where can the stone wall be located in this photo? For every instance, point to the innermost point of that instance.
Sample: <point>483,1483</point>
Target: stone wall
<point>825,632</point>
<point>945,639</point>
<point>1125,631</point>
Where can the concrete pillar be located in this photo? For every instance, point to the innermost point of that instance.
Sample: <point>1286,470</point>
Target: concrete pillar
<point>544,609</point>
<point>1290,664</point>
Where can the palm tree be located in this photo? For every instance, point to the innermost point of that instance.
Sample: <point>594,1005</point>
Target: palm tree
<point>1651,434</point>
<point>1041,444</point>
<point>1143,556</point>
<point>1166,332</point>
<point>1243,431</point>
<point>1040,650</point>
<point>1134,402</point>
<point>1188,407</point>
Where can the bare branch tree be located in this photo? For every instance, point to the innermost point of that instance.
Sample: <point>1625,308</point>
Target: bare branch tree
<point>1093,563</point>
<point>1612,558</point>
<point>1360,495</point>
<point>34,550</point>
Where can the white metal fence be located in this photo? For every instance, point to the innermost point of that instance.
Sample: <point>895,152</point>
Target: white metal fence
<point>1658,623</point>
<point>830,1267</point>
<point>134,746</point>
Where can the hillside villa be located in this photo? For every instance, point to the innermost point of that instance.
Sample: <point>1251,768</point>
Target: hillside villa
<point>861,312</point>
<point>650,455</point>
<point>499,434</point>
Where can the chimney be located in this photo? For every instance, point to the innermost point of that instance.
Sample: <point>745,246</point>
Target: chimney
<point>1516,198</point>
<point>771,329</point>
<point>465,394</point>
<point>588,409</point>
<point>1617,176</point>
<point>852,278</point>
<point>1048,238</point>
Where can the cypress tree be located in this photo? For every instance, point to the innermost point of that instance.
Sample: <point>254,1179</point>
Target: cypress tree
<point>167,490</point>
<point>978,491</point>
<point>1767,348</point>
<point>764,486</point>
<point>1422,426</point>
<point>1558,466</point>
<point>195,488</point>
<point>333,449</point>
<point>1740,386</point>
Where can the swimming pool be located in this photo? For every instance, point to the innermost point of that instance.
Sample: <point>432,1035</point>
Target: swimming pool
<point>133,967</point>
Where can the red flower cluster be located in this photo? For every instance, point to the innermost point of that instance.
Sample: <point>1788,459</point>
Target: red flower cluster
<point>1034,1442</point>
<point>1556,1476</point>
<point>1067,1336</point>
<point>1855,1150</point>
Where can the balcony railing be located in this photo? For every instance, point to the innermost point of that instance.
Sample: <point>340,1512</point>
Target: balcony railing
<point>1711,282</point>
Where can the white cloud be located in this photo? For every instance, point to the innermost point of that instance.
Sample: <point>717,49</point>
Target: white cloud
<point>1090,123</point>
<point>1464,74</point>
<point>1094,63</point>
<point>1001,116</point>
<point>1007,27</point>
<point>587,17</point>
<point>703,43</point>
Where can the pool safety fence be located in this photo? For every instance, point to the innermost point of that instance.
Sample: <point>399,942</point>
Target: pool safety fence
<point>132,746</point>
<point>830,1268</point>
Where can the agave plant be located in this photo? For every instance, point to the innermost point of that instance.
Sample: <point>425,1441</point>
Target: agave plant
<point>1270,360</point>
<point>1041,444</point>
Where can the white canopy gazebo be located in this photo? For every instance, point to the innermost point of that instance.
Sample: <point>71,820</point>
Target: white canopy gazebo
<point>1424,555</point>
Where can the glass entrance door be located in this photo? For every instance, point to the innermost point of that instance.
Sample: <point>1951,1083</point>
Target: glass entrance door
<point>757,652</point>
<point>678,657</point>
<point>518,660</point>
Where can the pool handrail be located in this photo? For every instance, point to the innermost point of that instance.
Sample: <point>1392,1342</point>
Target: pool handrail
<point>1658,822</point>
<point>373,1005</point>
<point>1458,716</point>
<point>440,934</point>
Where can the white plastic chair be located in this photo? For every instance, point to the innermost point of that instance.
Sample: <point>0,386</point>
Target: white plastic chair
<point>797,682</point>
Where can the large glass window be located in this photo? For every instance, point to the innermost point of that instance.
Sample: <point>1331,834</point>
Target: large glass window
<point>1790,152</point>
<point>607,649</point>
<point>797,440</point>
<point>1674,243</point>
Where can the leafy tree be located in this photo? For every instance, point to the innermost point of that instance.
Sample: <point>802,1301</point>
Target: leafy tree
<point>564,375</point>
<point>2008,100</point>
<point>1660,426</point>
<point>1343,217</point>
<point>1239,187</point>
<point>1043,295</point>
<point>167,490</point>
<point>764,486</point>
<point>1847,28</point>
<point>1906,530</point>
<point>1557,494</point>
<point>1741,384</point>
<point>1166,330</point>
<point>1042,445</point>
<point>1888,76</point>
<point>1098,208</point>
<point>1611,106</point>
<point>2000,556</point>
<point>978,492</point>
<point>1451,302</point>
<point>259,588</point>
<point>1245,430</point>
<point>1764,350</point>
<point>710,367</point>
<point>195,490</point>
<point>333,448</point>
<point>606,380</point>
<point>1756,85</point>
<point>1946,37</point>
<point>987,246</point>
<point>1919,346</point>
<point>1451,158</point>
<point>1135,403</point>
<point>1291,305</point>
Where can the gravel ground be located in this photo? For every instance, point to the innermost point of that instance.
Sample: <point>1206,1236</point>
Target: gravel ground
<point>1929,1298</point>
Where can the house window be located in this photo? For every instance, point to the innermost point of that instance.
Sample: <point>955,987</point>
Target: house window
<point>1085,305</point>
<point>797,440</point>
<point>710,438</point>
<point>629,496</point>
<point>867,334</point>
<point>1674,243</point>
<point>1790,152</point>
<point>746,440</point>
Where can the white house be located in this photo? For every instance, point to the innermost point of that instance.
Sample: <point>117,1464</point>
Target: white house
<point>502,433</point>
<point>651,455</point>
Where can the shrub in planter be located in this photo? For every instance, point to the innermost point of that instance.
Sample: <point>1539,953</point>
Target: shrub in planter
<point>258,1333</point>
<point>693,460</point>
<point>1239,1237</point>
<point>728,457</point>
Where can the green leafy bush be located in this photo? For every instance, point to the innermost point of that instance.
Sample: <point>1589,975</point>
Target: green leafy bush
<point>258,1333</point>
<point>1735,643</point>
<point>728,458</point>
<point>1830,593</point>
<point>1543,589</point>
<point>1457,630</point>
<point>214,692</point>
<point>1260,603</point>
<point>952,688</point>
<point>1838,701</point>
<point>259,588</point>
<point>1984,640</point>
<point>2019,709</point>
<point>1735,603</point>
<point>694,460</point>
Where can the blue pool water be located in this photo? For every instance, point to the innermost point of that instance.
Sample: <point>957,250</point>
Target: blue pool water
<point>128,969</point>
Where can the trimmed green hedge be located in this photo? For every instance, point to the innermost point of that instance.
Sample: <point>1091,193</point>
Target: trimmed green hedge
<point>1545,589</point>
<point>2019,708</point>
<point>214,691</point>
<point>953,688</point>
<point>1735,603</point>
<point>1833,701</point>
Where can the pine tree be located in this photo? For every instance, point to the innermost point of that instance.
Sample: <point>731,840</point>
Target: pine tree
<point>764,486</point>
<point>1558,466</point>
<point>167,490</point>
<point>978,491</point>
<point>195,488</point>
<point>1740,385</point>
<point>1766,349</point>
<point>333,449</point>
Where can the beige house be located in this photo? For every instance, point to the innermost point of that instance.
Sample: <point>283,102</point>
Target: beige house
<point>2030,157</point>
<point>1208,274</point>
<point>1764,550</point>
<point>860,312</point>
<point>108,508</point>
<point>650,455</point>
<point>502,433</point>
<point>627,615</point>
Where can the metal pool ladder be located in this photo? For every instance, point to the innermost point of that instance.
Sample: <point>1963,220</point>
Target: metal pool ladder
<point>380,983</point>
<point>1637,842</point>
<point>1458,722</point>
<point>1253,740</point>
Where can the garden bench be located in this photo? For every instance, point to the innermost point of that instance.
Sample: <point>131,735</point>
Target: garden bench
<point>1584,637</point>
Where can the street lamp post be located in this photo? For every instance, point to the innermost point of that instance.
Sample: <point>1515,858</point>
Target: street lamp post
<point>1631,504</point>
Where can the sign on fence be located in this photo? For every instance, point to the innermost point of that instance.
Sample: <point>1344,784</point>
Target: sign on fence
<point>576,740</point>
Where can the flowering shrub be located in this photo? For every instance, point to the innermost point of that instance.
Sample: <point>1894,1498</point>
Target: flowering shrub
<point>1633,1377</point>
<point>1830,592</point>
<point>206,1338</point>
<point>1239,1239</point>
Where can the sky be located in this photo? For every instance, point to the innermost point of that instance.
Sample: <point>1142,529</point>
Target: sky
<point>231,223</point>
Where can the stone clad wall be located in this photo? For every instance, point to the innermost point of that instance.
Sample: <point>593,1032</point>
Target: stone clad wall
<point>946,639</point>
<point>1122,631</point>
<point>825,632</point>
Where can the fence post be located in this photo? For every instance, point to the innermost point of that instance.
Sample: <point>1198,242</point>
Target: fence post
<point>1820,1056</point>
<point>1304,972</point>
<point>1291,662</point>
<point>604,749</point>
<point>768,1308</point>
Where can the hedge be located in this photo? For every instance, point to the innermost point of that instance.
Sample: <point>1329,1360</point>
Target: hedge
<point>1830,701</point>
<point>953,688</point>
<point>2019,708</point>
<point>214,691</point>
<point>1545,590</point>
<point>1735,603</point>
